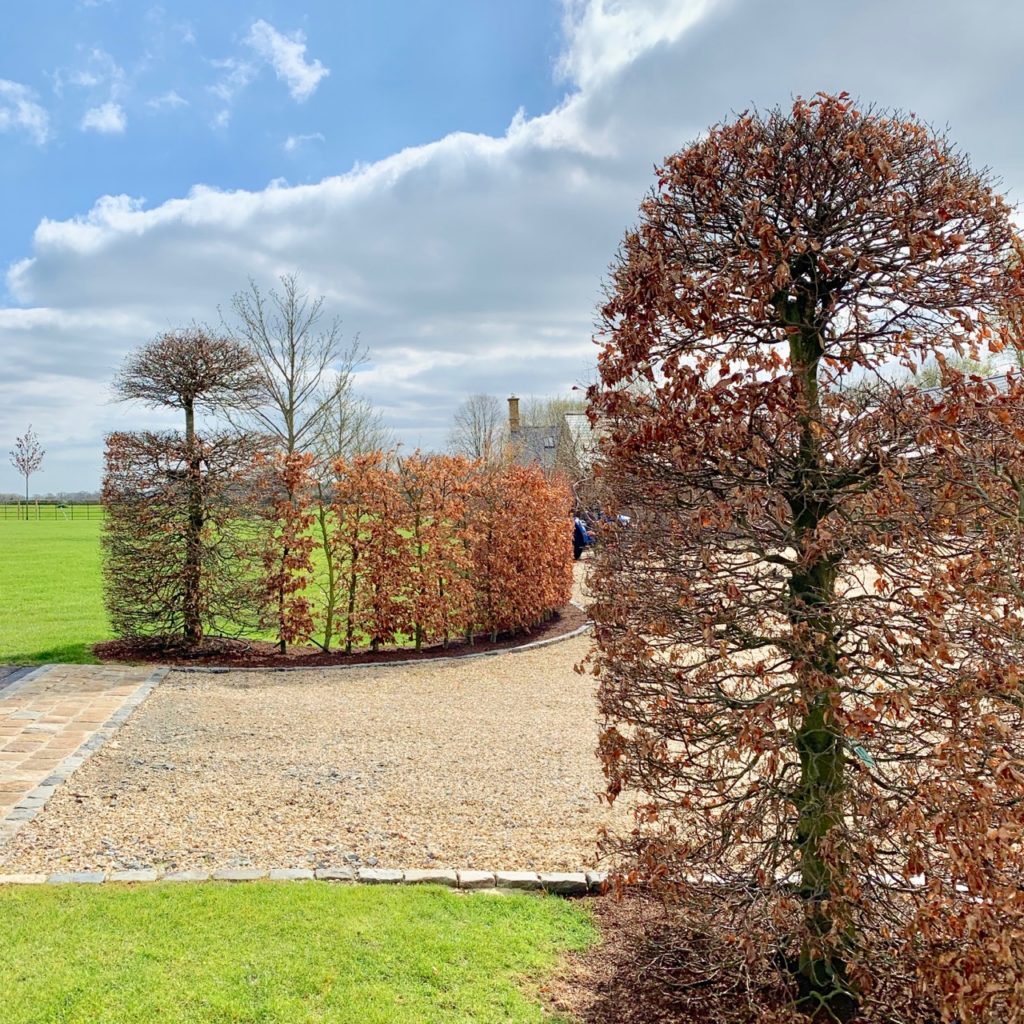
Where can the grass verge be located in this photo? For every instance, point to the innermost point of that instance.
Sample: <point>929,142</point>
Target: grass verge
<point>51,591</point>
<point>288,953</point>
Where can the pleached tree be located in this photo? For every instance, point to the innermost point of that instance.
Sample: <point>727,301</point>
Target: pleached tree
<point>194,476</point>
<point>809,639</point>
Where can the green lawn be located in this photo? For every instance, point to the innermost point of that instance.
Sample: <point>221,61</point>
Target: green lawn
<point>51,590</point>
<point>279,953</point>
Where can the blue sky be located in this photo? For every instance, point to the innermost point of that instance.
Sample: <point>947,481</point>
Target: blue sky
<point>400,74</point>
<point>459,176</point>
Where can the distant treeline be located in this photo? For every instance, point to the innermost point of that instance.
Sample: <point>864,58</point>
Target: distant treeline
<point>65,497</point>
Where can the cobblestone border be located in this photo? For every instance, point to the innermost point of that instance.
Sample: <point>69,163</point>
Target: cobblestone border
<point>561,883</point>
<point>36,799</point>
<point>398,663</point>
<point>9,675</point>
<point>20,679</point>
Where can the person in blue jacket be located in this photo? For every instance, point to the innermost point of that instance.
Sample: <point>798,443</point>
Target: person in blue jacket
<point>581,537</point>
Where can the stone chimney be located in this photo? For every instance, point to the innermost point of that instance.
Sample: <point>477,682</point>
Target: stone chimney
<point>513,415</point>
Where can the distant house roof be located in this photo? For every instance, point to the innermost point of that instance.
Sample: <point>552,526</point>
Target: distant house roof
<point>536,446</point>
<point>572,438</point>
<point>582,438</point>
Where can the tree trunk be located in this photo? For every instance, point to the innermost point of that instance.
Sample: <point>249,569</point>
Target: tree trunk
<point>418,625</point>
<point>331,596</point>
<point>353,582</point>
<point>192,571</point>
<point>825,991</point>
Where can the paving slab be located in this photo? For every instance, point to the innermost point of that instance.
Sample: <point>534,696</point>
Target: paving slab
<point>426,876</point>
<point>290,874</point>
<point>240,874</point>
<point>77,878</point>
<point>335,874</point>
<point>134,875</point>
<point>565,883</point>
<point>517,880</point>
<point>476,879</point>
<point>187,876</point>
<point>53,718</point>
<point>379,876</point>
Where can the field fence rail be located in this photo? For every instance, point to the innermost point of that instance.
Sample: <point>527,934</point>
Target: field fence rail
<point>37,511</point>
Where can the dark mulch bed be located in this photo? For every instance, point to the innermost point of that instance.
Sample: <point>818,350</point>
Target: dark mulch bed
<point>228,653</point>
<point>642,971</point>
<point>638,972</point>
<point>607,983</point>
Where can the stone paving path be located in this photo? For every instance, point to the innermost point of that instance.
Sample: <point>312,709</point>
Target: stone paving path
<point>51,720</point>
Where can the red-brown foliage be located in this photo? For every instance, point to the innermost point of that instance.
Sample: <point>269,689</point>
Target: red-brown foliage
<point>809,641</point>
<point>438,547</point>
<point>436,596</point>
<point>285,482</point>
<point>425,548</point>
<point>357,483</point>
<point>522,542</point>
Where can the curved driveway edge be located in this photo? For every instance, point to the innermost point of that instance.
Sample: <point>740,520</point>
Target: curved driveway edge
<point>398,663</point>
<point>561,883</point>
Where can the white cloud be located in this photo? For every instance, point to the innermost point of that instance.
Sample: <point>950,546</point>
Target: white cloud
<point>475,263</point>
<point>19,111</point>
<point>293,142</point>
<point>167,101</point>
<point>603,36</point>
<point>236,75</point>
<point>287,56</point>
<point>100,69</point>
<point>107,119</point>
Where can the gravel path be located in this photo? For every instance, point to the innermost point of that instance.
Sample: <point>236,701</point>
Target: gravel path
<point>483,763</point>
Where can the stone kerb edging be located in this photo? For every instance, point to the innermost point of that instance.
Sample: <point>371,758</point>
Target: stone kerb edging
<point>9,676</point>
<point>560,883</point>
<point>20,679</point>
<point>36,799</point>
<point>398,663</point>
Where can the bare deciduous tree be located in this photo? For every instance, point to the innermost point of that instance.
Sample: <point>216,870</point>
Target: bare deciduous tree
<point>305,365</point>
<point>353,426</point>
<point>27,456</point>
<point>479,428</point>
<point>549,410</point>
<point>307,403</point>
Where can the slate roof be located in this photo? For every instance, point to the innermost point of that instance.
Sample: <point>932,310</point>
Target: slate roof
<point>536,446</point>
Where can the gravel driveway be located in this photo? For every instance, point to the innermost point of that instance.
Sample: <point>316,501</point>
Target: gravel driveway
<point>483,763</point>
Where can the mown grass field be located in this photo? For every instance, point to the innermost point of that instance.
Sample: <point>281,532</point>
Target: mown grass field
<point>51,590</point>
<point>288,953</point>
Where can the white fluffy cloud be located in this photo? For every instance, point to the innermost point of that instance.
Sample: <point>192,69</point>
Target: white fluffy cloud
<point>107,119</point>
<point>287,56</point>
<point>20,111</point>
<point>475,263</point>
<point>605,35</point>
